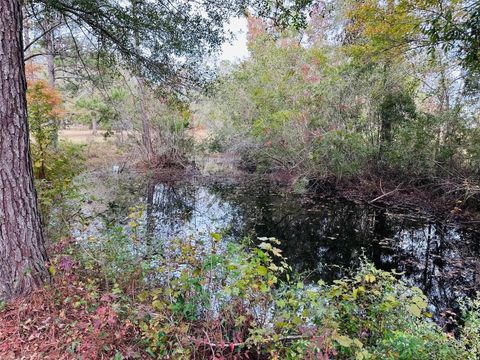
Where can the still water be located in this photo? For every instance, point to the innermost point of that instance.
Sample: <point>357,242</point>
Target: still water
<point>322,238</point>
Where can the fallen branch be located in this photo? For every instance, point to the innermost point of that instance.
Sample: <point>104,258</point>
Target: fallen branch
<point>386,194</point>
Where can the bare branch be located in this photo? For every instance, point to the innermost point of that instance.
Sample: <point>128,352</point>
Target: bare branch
<point>29,57</point>
<point>40,36</point>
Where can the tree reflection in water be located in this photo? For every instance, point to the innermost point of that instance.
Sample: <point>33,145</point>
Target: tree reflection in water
<point>323,238</point>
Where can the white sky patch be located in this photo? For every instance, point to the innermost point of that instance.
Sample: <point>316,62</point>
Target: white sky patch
<point>236,50</point>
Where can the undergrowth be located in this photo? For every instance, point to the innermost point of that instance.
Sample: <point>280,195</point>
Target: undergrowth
<point>192,299</point>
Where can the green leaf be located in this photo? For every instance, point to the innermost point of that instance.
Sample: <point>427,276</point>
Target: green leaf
<point>262,270</point>
<point>344,341</point>
<point>157,305</point>
<point>415,310</point>
<point>390,298</point>
<point>216,236</point>
<point>419,301</point>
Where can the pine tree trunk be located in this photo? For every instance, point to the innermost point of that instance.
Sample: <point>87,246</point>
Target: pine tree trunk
<point>22,249</point>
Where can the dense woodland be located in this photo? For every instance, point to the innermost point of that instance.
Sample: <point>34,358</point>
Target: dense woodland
<point>373,101</point>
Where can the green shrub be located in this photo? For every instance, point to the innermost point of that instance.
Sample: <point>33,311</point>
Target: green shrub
<point>211,297</point>
<point>55,170</point>
<point>470,332</point>
<point>341,153</point>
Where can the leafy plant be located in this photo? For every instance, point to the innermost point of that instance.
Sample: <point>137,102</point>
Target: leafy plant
<point>55,163</point>
<point>218,298</point>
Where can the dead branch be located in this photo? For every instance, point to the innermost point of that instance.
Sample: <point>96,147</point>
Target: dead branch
<point>387,193</point>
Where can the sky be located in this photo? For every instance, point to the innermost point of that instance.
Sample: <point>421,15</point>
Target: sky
<point>237,50</point>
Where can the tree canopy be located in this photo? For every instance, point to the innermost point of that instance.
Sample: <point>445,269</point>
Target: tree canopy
<point>165,41</point>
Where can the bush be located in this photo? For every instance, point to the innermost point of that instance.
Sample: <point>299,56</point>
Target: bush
<point>233,300</point>
<point>55,170</point>
<point>55,164</point>
<point>341,153</point>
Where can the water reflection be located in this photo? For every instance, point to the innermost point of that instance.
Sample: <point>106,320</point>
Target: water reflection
<point>187,211</point>
<point>323,238</point>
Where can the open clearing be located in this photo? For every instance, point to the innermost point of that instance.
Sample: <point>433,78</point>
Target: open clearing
<point>81,136</point>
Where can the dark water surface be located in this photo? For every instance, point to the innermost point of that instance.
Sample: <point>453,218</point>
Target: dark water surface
<point>324,238</point>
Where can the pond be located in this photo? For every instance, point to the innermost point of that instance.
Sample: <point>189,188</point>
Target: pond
<point>324,238</point>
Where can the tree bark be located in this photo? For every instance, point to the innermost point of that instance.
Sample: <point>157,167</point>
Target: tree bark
<point>22,250</point>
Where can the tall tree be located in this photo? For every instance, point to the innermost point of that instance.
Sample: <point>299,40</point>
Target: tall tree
<point>49,39</point>
<point>146,136</point>
<point>377,36</point>
<point>22,251</point>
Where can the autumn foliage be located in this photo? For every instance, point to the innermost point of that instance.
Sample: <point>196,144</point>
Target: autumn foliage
<point>43,99</point>
<point>71,319</point>
<point>44,112</point>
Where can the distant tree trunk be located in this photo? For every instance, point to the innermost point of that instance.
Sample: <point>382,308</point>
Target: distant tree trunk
<point>444,105</point>
<point>146,137</point>
<point>49,39</point>
<point>22,250</point>
<point>385,119</point>
<point>94,125</point>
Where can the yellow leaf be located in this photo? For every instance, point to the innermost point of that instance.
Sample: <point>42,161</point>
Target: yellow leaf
<point>390,298</point>
<point>216,236</point>
<point>362,355</point>
<point>358,291</point>
<point>358,343</point>
<point>344,341</point>
<point>157,305</point>
<point>52,270</point>
<point>273,267</point>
